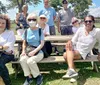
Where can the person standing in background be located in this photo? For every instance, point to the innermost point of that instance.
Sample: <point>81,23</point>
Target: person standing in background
<point>50,13</point>
<point>43,24</point>
<point>75,24</point>
<point>21,20</point>
<point>64,19</point>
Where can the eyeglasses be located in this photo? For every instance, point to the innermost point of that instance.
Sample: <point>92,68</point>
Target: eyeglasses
<point>42,18</point>
<point>32,20</point>
<point>88,21</point>
<point>65,3</point>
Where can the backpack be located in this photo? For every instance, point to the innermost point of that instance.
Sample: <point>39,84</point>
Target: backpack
<point>47,48</point>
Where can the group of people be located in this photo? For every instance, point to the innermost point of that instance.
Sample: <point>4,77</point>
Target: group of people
<point>78,47</point>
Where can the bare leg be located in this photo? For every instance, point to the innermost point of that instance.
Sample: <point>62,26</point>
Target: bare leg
<point>69,57</point>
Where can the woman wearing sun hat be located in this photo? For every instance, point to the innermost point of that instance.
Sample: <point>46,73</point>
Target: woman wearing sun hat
<point>43,24</point>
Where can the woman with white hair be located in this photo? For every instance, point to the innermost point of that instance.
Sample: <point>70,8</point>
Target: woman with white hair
<point>29,60</point>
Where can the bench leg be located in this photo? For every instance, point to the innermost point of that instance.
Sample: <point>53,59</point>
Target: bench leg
<point>16,69</point>
<point>95,67</point>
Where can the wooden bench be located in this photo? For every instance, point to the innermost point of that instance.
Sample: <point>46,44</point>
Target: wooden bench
<point>57,41</point>
<point>58,44</point>
<point>60,59</point>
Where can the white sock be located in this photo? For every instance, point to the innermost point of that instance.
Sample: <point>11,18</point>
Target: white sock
<point>72,69</point>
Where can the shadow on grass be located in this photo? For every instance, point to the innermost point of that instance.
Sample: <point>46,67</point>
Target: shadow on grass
<point>52,74</point>
<point>86,73</point>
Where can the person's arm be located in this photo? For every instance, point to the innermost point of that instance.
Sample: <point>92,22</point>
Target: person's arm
<point>98,40</point>
<point>76,36</point>
<point>46,30</point>
<point>54,14</point>
<point>1,47</point>
<point>9,46</point>
<point>72,12</point>
<point>38,48</point>
<point>23,46</point>
<point>58,24</point>
<point>17,18</point>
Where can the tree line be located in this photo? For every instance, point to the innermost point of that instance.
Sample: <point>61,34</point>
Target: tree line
<point>80,6</point>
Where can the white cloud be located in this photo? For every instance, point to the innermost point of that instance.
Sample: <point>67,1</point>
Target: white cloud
<point>5,2</point>
<point>93,5</point>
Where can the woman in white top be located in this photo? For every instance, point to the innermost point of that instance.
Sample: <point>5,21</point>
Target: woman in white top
<point>81,44</point>
<point>43,24</point>
<point>7,40</point>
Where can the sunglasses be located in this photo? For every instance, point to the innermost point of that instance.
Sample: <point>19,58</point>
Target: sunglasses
<point>75,21</point>
<point>42,18</point>
<point>88,21</point>
<point>65,2</point>
<point>32,20</point>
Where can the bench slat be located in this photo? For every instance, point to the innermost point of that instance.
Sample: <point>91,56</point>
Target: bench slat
<point>58,59</point>
<point>59,44</point>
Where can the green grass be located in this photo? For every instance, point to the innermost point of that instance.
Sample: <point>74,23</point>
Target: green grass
<point>53,73</point>
<point>97,25</point>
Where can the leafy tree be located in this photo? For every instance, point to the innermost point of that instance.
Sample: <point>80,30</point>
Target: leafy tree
<point>2,8</point>
<point>20,3</point>
<point>56,4</point>
<point>80,6</point>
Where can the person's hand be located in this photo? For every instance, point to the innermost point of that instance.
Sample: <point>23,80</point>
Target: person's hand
<point>23,53</point>
<point>21,25</point>
<point>31,53</point>
<point>69,45</point>
<point>98,57</point>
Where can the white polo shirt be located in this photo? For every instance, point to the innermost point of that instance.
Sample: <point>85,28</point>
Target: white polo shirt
<point>7,38</point>
<point>84,43</point>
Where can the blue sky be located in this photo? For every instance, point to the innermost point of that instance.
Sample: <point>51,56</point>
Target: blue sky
<point>96,3</point>
<point>12,12</point>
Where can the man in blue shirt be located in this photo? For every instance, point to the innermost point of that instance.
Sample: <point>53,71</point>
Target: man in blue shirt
<point>50,14</point>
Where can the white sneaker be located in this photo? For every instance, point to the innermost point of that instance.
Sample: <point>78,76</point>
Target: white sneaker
<point>26,82</point>
<point>70,74</point>
<point>72,80</point>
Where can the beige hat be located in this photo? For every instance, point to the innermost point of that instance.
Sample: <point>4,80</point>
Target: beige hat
<point>74,19</point>
<point>43,16</point>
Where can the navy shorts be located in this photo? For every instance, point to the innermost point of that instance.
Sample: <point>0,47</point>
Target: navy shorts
<point>66,30</point>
